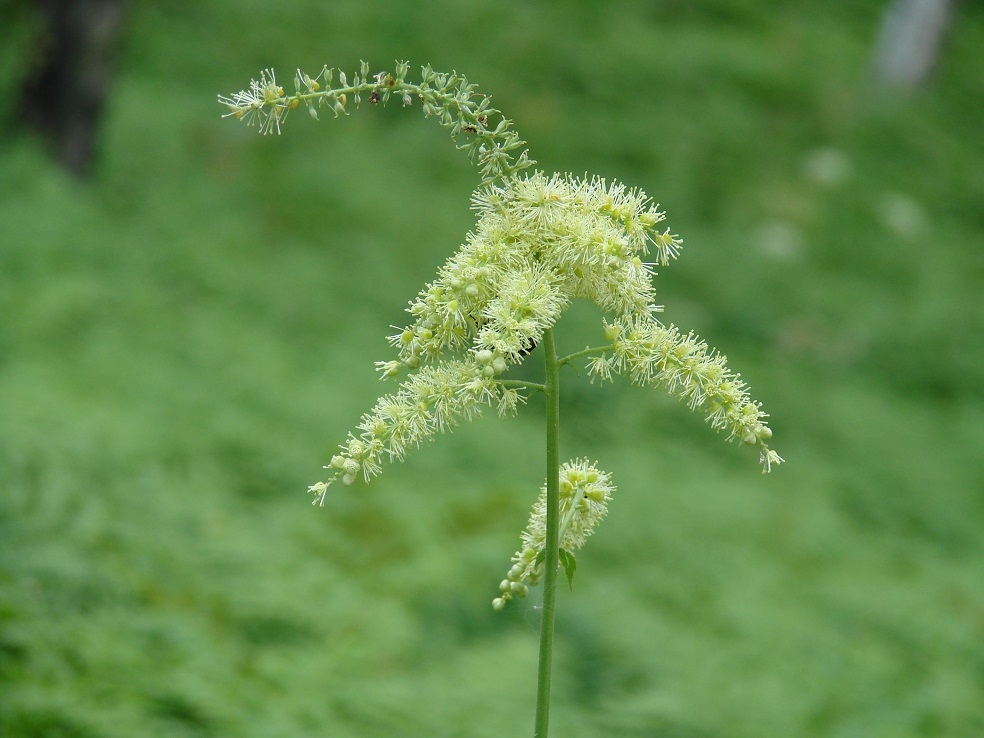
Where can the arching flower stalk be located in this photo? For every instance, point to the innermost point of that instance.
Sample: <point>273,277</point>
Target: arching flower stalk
<point>478,128</point>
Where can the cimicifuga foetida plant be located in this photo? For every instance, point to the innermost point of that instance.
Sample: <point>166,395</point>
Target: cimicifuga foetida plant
<point>540,241</point>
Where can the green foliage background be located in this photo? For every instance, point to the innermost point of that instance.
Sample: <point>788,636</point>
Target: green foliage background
<point>185,338</point>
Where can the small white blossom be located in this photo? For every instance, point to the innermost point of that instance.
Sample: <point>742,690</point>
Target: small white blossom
<point>600,367</point>
<point>263,103</point>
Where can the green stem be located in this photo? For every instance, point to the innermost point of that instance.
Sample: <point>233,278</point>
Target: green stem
<point>520,384</point>
<point>569,515</point>
<point>552,543</point>
<point>584,352</point>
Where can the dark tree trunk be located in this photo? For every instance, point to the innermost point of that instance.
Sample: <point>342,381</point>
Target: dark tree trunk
<point>64,98</point>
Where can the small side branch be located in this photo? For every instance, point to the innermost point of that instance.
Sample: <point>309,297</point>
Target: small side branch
<point>519,384</point>
<point>584,352</point>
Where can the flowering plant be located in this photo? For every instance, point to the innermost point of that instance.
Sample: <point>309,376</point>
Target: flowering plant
<point>540,242</point>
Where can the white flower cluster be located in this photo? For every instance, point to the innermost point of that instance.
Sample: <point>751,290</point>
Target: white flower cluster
<point>539,243</point>
<point>585,492</point>
<point>659,356</point>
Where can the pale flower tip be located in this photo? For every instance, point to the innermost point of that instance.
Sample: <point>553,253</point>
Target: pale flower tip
<point>388,369</point>
<point>321,490</point>
<point>769,458</point>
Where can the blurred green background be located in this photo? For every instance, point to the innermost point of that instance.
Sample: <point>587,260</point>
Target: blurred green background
<point>186,335</point>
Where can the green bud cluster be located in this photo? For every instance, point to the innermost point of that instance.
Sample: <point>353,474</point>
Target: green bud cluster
<point>585,492</point>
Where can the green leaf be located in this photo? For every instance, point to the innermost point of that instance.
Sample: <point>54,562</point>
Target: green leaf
<point>570,566</point>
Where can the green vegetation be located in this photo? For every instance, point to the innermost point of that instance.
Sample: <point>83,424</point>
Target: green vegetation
<point>179,354</point>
